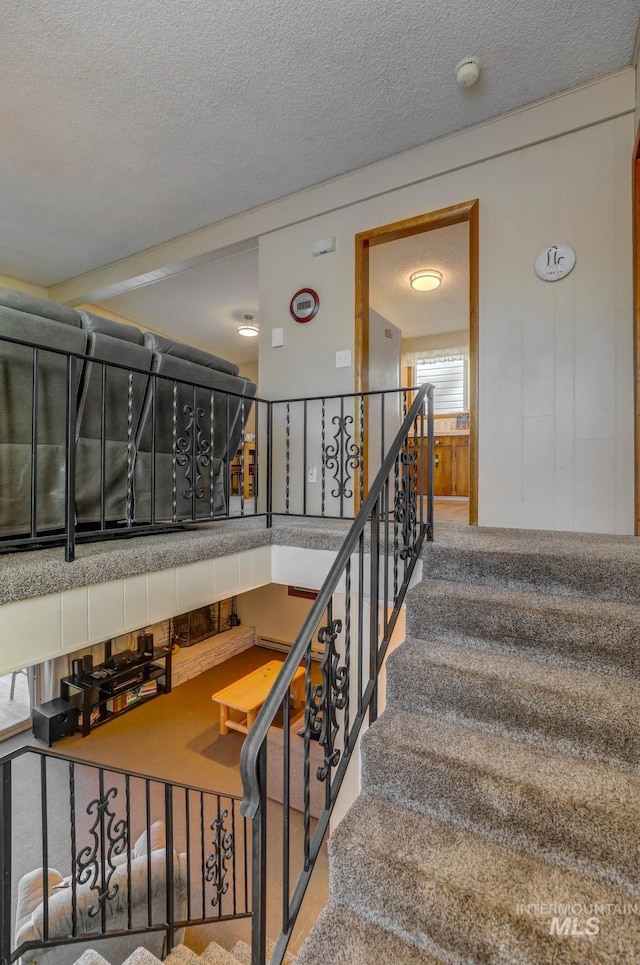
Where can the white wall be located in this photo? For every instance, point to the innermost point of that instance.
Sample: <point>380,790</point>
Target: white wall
<point>637,97</point>
<point>556,390</point>
<point>273,612</point>
<point>63,623</point>
<point>23,286</point>
<point>88,615</point>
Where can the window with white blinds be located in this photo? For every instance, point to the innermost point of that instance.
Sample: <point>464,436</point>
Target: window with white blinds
<point>449,375</point>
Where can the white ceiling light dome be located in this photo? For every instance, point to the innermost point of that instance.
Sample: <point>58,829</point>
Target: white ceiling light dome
<point>249,327</point>
<point>426,280</point>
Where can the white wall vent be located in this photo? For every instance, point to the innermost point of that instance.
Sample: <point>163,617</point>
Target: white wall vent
<point>323,246</point>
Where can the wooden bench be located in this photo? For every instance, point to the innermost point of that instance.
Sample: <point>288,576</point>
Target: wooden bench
<point>249,693</point>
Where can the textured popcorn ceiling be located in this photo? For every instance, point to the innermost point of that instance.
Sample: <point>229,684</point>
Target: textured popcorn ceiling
<point>124,124</point>
<point>446,309</point>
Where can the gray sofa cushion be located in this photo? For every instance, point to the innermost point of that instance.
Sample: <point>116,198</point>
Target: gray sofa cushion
<point>120,426</point>
<point>50,325</point>
<point>160,392</point>
<point>21,302</point>
<point>172,367</point>
<point>16,392</point>
<point>106,326</point>
<point>165,346</point>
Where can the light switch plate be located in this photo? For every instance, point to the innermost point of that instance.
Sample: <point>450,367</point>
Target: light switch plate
<point>277,337</point>
<point>343,359</point>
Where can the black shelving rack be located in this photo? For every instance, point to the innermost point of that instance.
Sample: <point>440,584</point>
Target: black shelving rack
<point>94,692</point>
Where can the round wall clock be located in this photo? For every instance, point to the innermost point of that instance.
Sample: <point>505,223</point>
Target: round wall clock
<point>304,305</point>
<point>555,262</point>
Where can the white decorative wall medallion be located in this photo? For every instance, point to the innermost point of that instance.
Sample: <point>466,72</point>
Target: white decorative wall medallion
<point>555,262</point>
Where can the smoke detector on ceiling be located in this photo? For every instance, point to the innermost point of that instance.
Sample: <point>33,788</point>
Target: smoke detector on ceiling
<point>468,71</point>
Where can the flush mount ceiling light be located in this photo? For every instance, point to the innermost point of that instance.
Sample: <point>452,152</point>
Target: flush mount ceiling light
<point>249,328</point>
<point>426,279</point>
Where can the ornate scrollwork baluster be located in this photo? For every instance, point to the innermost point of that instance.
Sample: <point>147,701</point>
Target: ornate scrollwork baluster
<point>129,505</point>
<point>174,452</point>
<point>216,863</point>
<point>344,456</point>
<point>328,698</point>
<point>95,864</point>
<point>209,463</point>
<point>406,502</point>
<point>185,447</point>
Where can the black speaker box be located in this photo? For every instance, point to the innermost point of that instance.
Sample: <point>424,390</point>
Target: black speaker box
<point>53,720</point>
<point>87,663</point>
<point>145,643</point>
<point>77,667</point>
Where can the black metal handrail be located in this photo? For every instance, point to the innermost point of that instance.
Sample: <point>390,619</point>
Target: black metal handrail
<point>87,821</point>
<point>397,526</point>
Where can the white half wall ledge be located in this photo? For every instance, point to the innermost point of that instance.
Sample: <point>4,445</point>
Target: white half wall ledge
<point>294,566</point>
<point>45,627</point>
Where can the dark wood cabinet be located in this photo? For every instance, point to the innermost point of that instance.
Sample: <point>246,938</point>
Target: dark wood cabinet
<point>450,465</point>
<point>442,467</point>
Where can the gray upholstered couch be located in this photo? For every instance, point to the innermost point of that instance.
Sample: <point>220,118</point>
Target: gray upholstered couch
<point>134,403</point>
<point>30,910</point>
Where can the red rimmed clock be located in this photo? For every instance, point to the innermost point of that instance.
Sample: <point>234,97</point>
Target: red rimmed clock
<point>304,305</point>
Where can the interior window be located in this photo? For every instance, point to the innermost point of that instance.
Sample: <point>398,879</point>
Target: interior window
<point>450,375</point>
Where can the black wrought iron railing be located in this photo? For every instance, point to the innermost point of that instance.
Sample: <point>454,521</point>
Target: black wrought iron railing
<point>302,763</point>
<point>95,450</point>
<point>112,855</point>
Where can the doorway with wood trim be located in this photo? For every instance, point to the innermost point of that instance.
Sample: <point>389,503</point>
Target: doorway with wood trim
<point>461,214</point>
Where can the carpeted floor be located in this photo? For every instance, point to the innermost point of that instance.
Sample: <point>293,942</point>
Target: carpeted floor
<point>451,510</point>
<point>499,817</point>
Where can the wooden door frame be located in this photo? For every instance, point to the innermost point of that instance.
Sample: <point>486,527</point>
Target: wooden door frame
<point>443,218</point>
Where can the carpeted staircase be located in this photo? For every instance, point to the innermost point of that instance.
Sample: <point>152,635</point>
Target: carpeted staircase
<point>213,954</point>
<point>499,820</point>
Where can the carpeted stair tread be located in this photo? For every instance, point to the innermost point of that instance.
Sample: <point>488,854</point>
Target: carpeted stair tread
<point>584,632</point>
<point>181,955</point>
<point>578,815</point>
<point>215,954</point>
<point>141,956</point>
<point>242,953</point>
<point>587,714</point>
<point>340,937</point>
<point>454,893</point>
<point>603,567</point>
<point>91,957</point>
